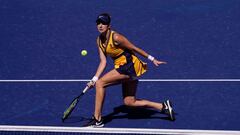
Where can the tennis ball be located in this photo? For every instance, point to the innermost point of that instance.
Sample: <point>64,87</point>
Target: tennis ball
<point>84,52</point>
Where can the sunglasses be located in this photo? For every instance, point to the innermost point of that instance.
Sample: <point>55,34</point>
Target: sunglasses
<point>101,22</point>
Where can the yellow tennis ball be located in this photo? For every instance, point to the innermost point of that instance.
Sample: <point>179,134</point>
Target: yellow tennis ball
<point>84,52</point>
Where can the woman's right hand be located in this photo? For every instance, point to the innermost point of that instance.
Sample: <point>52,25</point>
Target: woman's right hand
<point>91,84</point>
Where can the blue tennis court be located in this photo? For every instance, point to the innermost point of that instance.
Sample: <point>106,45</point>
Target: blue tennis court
<point>42,70</point>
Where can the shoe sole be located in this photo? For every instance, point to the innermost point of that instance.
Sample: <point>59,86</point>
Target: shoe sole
<point>96,126</point>
<point>171,113</point>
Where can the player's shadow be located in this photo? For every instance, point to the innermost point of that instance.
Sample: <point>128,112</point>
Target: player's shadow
<point>125,112</point>
<point>76,119</point>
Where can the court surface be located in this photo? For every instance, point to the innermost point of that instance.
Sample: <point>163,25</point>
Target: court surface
<point>42,70</point>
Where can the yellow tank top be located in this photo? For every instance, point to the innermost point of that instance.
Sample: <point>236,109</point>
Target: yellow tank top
<point>115,52</point>
<point>111,49</point>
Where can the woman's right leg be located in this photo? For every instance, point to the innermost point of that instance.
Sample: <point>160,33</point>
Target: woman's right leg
<point>112,77</point>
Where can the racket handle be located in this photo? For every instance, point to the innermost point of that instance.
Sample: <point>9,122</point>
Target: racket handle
<point>86,88</point>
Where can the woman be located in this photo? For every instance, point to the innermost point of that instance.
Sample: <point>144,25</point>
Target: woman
<point>127,67</point>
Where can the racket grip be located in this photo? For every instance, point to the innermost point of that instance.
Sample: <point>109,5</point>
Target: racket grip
<point>85,89</point>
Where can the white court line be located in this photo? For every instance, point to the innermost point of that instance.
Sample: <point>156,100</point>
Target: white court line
<point>116,130</point>
<point>141,80</point>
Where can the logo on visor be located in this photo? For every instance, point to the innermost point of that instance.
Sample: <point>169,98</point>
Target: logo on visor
<point>101,16</point>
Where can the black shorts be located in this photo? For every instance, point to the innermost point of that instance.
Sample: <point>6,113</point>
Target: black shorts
<point>127,69</point>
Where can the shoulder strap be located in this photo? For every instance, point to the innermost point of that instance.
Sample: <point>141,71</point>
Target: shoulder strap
<point>101,46</point>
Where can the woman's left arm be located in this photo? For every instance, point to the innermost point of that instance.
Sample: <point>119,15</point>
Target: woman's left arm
<point>124,43</point>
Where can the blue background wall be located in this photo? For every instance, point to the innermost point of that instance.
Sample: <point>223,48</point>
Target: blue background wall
<point>43,39</point>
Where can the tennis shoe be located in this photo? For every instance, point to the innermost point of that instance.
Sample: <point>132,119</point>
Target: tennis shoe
<point>168,109</point>
<point>95,123</point>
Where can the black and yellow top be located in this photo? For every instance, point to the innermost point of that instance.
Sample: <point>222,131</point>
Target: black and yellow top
<point>123,58</point>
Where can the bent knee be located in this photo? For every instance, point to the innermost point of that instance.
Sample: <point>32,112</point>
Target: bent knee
<point>99,83</point>
<point>129,101</point>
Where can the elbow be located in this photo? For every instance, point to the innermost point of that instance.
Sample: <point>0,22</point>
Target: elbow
<point>103,63</point>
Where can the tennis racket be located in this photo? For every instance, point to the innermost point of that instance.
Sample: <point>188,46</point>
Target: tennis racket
<point>73,104</point>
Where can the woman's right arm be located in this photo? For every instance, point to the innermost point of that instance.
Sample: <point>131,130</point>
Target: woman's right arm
<point>102,64</point>
<point>101,67</point>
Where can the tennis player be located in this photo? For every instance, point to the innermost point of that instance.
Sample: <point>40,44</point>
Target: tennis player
<point>127,68</point>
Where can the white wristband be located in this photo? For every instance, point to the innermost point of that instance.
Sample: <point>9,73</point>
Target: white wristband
<point>95,78</point>
<point>151,58</point>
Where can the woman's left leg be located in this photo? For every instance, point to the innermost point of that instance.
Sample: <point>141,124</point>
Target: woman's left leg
<point>129,89</point>
<point>129,92</point>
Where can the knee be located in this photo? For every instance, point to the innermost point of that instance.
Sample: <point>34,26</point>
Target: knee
<point>129,101</point>
<point>99,84</point>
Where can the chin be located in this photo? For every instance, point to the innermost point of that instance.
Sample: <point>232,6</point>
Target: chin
<point>102,31</point>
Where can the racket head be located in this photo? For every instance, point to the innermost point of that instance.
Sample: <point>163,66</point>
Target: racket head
<point>73,104</point>
<point>69,110</point>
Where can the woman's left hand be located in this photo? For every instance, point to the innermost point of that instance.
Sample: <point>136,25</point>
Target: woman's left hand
<point>157,63</point>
